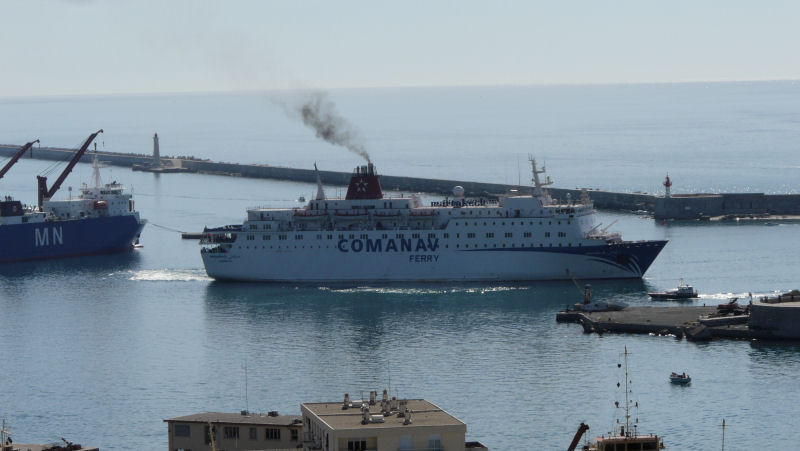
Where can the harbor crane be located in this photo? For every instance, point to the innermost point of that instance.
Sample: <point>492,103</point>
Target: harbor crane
<point>46,194</point>
<point>16,157</point>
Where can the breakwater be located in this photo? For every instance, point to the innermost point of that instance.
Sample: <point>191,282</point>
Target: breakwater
<point>686,206</point>
<point>602,199</point>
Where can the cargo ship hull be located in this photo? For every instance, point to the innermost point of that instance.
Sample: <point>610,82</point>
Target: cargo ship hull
<point>67,238</point>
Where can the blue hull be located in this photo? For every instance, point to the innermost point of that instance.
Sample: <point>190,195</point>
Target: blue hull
<point>56,239</point>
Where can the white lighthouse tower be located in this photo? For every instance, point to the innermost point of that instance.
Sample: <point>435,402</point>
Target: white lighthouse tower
<point>667,184</point>
<point>156,153</point>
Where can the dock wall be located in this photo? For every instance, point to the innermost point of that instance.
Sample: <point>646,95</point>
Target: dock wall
<point>692,206</point>
<point>602,199</point>
<point>696,206</point>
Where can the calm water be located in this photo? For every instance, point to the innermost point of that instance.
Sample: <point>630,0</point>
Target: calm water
<point>101,350</point>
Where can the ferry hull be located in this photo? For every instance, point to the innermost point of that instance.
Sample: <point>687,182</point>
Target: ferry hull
<point>623,260</point>
<point>68,238</point>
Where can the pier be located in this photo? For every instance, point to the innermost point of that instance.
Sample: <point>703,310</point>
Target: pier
<point>766,318</point>
<point>676,206</point>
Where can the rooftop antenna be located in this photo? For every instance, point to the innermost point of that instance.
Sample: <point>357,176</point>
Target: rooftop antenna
<point>723,434</point>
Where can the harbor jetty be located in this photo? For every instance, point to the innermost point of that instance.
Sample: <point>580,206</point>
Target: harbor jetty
<point>670,206</point>
<point>776,318</point>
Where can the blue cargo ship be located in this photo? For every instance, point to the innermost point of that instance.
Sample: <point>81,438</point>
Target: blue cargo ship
<point>101,220</point>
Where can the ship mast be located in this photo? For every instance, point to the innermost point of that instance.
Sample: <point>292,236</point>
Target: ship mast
<point>538,185</point>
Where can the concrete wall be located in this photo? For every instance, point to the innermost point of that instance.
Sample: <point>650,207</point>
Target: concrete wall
<point>706,205</point>
<point>676,207</point>
<point>777,320</point>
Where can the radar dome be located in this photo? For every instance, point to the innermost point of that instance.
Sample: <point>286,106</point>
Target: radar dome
<point>458,191</point>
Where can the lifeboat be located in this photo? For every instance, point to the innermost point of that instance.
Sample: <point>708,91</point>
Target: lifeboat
<point>422,214</point>
<point>100,205</point>
<point>352,215</point>
<point>309,215</point>
<point>393,214</point>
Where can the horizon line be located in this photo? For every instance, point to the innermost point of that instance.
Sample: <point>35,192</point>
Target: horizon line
<point>398,87</point>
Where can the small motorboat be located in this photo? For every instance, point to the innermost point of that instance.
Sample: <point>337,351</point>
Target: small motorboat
<point>679,379</point>
<point>684,291</point>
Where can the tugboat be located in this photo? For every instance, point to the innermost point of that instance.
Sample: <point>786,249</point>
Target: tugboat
<point>626,437</point>
<point>684,291</point>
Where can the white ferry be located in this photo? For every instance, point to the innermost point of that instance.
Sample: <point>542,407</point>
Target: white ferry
<point>367,237</point>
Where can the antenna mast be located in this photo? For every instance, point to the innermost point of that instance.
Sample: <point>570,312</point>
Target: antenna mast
<point>246,402</point>
<point>627,402</point>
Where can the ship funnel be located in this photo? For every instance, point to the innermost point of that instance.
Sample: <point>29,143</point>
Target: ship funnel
<point>365,183</point>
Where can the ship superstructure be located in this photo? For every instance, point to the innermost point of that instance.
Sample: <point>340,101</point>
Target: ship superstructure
<point>369,237</point>
<point>101,219</point>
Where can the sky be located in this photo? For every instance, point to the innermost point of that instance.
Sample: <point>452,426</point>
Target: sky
<point>80,47</point>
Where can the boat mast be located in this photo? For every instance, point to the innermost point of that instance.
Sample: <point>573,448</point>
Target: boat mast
<point>627,402</point>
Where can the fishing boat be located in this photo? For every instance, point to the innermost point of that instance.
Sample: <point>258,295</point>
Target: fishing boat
<point>684,291</point>
<point>679,379</point>
<point>625,436</point>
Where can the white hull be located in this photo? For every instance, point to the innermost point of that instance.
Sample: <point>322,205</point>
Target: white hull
<point>331,265</point>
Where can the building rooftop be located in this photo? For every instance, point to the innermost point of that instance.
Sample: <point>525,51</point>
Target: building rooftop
<point>238,418</point>
<point>423,413</point>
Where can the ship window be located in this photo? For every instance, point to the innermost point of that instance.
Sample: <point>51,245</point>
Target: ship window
<point>431,235</point>
<point>494,223</point>
<point>559,222</point>
<point>504,244</point>
<point>341,237</point>
<point>384,236</point>
<point>540,222</point>
<point>352,235</point>
<point>415,235</point>
<point>456,245</point>
<point>470,212</point>
<point>298,237</point>
<point>399,235</point>
<point>503,223</point>
<point>490,235</point>
<point>509,235</point>
<point>470,235</point>
<point>549,222</point>
<point>526,235</point>
<point>458,235</point>
<point>547,234</point>
<point>447,235</point>
<point>363,236</point>
<point>265,237</point>
<point>330,237</point>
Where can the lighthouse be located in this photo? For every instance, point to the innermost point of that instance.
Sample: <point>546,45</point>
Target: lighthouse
<point>667,184</point>
<point>156,152</point>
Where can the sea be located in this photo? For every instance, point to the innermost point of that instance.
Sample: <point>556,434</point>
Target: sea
<point>100,350</point>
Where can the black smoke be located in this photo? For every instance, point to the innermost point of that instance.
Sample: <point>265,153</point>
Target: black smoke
<point>319,113</point>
